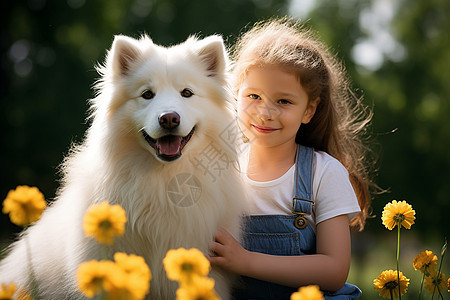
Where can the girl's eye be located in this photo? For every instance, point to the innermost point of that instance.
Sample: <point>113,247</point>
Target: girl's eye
<point>147,95</point>
<point>253,96</point>
<point>284,101</point>
<point>186,93</point>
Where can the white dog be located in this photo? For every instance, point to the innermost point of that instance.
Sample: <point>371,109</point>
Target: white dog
<point>161,144</point>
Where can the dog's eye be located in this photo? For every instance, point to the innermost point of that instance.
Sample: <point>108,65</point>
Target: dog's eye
<point>147,94</point>
<point>186,93</point>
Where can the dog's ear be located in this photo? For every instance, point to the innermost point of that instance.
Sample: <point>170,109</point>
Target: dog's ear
<point>124,51</point>
<point>213,53</point>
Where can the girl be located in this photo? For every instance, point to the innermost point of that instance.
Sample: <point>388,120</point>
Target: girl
<point>304,168</point>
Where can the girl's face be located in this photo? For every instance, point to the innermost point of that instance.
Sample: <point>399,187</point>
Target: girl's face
<point>272,105</point>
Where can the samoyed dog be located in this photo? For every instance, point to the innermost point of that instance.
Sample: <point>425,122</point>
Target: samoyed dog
<point>162,145</point>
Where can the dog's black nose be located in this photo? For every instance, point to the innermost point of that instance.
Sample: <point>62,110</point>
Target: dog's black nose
<point>169,120</point>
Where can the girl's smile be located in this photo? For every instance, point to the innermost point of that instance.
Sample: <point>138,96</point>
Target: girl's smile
<point>264,129</point>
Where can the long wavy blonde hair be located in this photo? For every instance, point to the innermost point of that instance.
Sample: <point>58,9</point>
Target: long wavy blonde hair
<point>340,123</point>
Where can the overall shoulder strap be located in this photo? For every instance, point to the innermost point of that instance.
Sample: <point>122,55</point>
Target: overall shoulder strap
<point>302,202</point>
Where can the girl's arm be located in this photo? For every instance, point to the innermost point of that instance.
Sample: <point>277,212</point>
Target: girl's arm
<point>328,268</point>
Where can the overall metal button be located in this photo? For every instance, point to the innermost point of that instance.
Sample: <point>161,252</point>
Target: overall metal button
<point>300,222</point>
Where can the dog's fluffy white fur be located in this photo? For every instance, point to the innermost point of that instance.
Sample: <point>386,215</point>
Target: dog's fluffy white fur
<point>118,163</point>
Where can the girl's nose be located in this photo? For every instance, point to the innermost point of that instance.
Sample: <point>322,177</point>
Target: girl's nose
<point>266,110</point>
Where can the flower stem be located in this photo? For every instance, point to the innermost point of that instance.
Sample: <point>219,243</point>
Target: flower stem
<point>438,277</point>
<point>398,256</point>
<point>440,294</point>
<point>392,295</point>
<point>104,251</point>
<point>33,286</point>
<point>421,285</point>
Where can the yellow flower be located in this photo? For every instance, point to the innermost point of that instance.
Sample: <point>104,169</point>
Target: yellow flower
<point>398,213</point>
<point>104,221</point>
<point>136,281</point>
<point>133,264</point>
<point>388,281</point>
<point>181,264</point>
<point>125,286</point>
<point>96,276</point>
<point>201,288</point>
<point>425,261</point>
<point>7,291</point>
<point>128,278</point>
<point>310,292</point>
<point>433,282</point>
<point>448,285</point>
<point>24,204</point>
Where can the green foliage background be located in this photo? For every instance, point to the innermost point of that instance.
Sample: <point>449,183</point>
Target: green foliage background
<point>49,50</point>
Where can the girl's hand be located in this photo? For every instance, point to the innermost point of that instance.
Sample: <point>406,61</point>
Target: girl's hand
<point>229,253</point>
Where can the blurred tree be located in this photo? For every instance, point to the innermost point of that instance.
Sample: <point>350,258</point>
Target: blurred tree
<point>397,53</point>
<point>48,53</point>
<point>405,45</point>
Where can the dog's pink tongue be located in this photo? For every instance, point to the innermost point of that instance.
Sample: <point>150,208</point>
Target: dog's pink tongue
<point>169,145</point>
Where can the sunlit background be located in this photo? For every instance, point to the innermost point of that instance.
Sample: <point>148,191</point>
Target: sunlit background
<point>397,53</point>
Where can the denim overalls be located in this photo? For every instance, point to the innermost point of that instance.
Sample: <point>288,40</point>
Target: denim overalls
<point>286,235</point>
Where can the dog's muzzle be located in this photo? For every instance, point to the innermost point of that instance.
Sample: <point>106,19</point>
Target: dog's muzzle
<point>168,147</point>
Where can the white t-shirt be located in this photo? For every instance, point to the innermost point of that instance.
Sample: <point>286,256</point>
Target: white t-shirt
<point>333,193</point>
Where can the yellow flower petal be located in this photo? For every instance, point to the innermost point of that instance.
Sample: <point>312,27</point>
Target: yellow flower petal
<point>128,278</point>
<point>387,281</point>
<point>310,292</point>
<point>137,280</point>
<point>104,221</point>
<point>433,282</point>
<point>425,261</point>
<point>182,264</point>
<point>199,288</point>
<point>96,276</point>
<point>7,291</point>
<point>24,204</point>
<point>122,287</point>
<point>133,264</point>
<point>395,213</point>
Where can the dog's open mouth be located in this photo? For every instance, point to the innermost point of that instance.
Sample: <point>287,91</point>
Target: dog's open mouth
<point>168,147</point>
